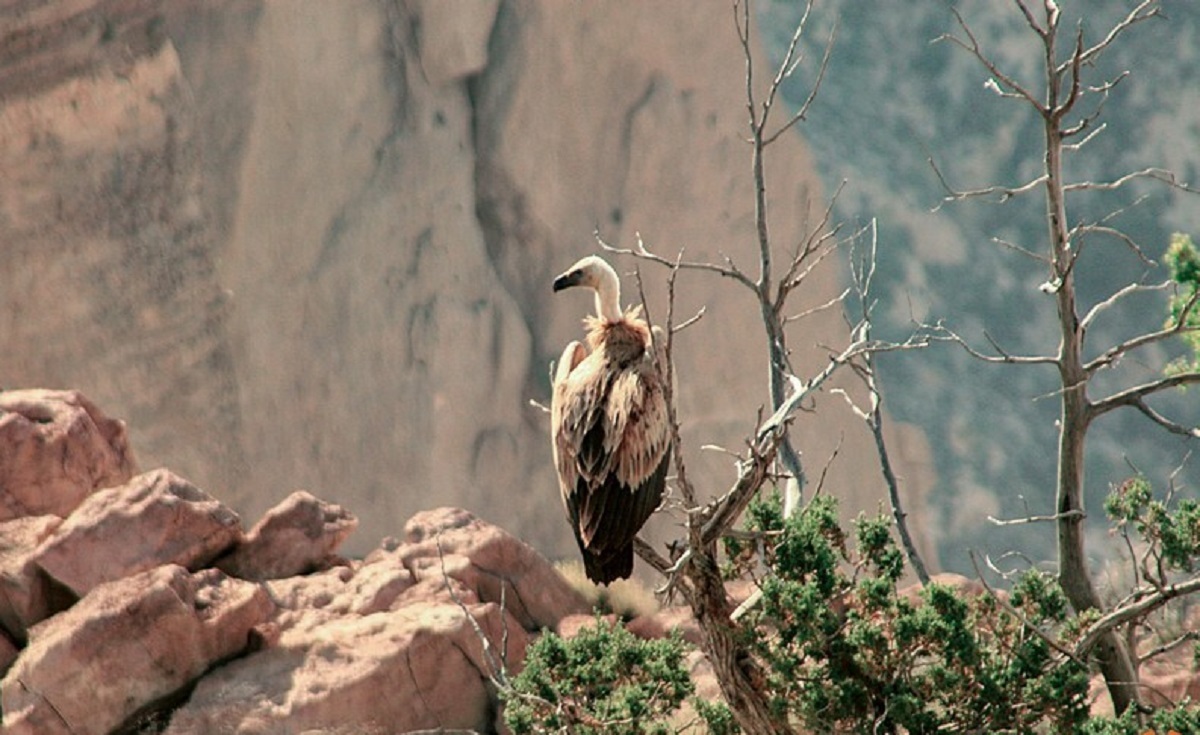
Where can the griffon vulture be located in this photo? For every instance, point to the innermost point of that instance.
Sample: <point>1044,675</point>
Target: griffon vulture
<point>609,425</point>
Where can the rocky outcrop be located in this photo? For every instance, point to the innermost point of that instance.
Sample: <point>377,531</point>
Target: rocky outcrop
<point>56,448</point>
<point>127,645</point>
<point>298,536</point>
<point>147,607</point>
<point>157,518</point>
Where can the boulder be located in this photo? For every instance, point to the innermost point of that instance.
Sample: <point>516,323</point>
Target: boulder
<point>451,542</point>
<point>27,594</point>
<point>420,667</point>
<point>157,518</point>
<point>8,652</point>
<point>125,646</point>
<point>56,448</point>
<point>298,536</point>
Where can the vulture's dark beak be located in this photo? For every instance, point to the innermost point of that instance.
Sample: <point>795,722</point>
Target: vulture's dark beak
<point>567,280</point>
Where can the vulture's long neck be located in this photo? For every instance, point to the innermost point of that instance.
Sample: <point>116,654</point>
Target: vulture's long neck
<point>608,296</point>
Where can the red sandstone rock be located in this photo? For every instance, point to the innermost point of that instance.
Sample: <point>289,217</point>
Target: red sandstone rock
<point>27,595</point>
<point>157,518</point>
<point>8,653</point>
<point>488,559</point>
<point>126,645</point>
<point>298,536</point>
<point>56,448</point>
<point>420,667</point>
<point>662,623</point>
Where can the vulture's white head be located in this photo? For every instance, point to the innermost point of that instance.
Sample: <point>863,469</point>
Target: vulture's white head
<point>594,273</point>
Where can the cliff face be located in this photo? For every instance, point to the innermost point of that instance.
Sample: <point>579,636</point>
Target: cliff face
<point>310,244</point>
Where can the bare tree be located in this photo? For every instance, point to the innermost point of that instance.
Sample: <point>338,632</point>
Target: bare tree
<point>693,570</point>
<point>1057,100</point>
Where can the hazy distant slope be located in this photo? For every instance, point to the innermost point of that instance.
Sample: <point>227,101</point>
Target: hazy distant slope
<point>890,101</point>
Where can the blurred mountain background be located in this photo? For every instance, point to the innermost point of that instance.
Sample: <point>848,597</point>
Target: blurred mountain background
<point>895,97</point>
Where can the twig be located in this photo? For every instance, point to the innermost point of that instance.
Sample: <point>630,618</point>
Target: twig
<point>1152,600</point>
<point>1075,513</point>
<point>1169,646</point>
<point>497,673</point>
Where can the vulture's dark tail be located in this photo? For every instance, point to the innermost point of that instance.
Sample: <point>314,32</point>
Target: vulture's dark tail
<point>610,566</point>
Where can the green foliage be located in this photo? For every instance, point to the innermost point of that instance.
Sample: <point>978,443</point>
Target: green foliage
<point>848,653</point>
<point>1183,261</point>
<point>1181,720</point>
<point>718,718</point>
<point>604,680</point>
<point>1173,536</point>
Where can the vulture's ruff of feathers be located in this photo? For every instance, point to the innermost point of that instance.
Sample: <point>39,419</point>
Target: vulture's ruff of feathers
<point>609,425</point>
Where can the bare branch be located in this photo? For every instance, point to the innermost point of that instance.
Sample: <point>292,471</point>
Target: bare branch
<point>497,671</point>
<point>790,59</point>
<point>1133,396</point>
<point>802,113</point>
<point>1005,192</point>
<point>1076,513</point>
<point>943,333</point>
<point>651,556</point>
<point>1121,293</point>
<point>1112,354</point>
<point>1087,138</point>
<point>1166,423</point>
<point>1169,646</point>
<point>1143,11</point>
<point>1033,24</point>
<point>642,252</point>
<point>816,238</point>
<point>972,45</point>
<point>1149,600</point>
<point>836,300</point>
<point>1060,110</point>
<point>1023,251</point>
<point>1158,174</point>
<point>676,329</point>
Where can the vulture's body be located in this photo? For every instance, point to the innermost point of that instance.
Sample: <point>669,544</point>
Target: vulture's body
<point>609,426</point>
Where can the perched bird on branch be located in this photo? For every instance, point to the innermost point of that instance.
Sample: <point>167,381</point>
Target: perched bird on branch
<point>609,424</point>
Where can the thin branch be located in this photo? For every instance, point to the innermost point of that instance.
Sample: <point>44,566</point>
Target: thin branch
<point>1157,174</point>
<point>972,45</point>
<point>1152,600</point>
<point>1121,293</point>
<point>790,59</point>
<point>1113,353</point>
<point>1023,251</point>
<point>1113,232</point>
<point>728,271</point>
<point>497,673</point>
<point>1142,12</point>
<point>1076,513</point>
<point>1087,138</point>
<point>1164,422</point>
<point>802,113</point>
<point>1134,395</point>
<point>677,328</point>
<point>1169,646</point>
<point>943,333</point>
<point>835,301</point>
<point>1005,192</point>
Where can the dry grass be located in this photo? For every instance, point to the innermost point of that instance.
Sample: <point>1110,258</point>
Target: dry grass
<point>627,598</point>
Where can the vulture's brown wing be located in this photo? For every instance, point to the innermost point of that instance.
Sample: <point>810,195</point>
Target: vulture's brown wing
<point>611,437</point>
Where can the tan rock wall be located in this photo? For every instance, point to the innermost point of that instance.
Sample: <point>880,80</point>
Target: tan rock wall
<point>309,244</point>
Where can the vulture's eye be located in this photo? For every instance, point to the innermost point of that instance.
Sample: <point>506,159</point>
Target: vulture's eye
<point>576,273</point>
